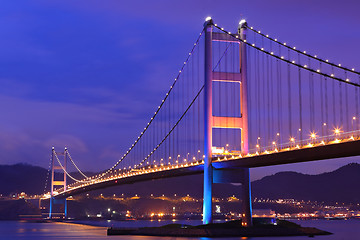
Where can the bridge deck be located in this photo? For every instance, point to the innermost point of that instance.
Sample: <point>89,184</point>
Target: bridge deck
<point>330,151</point>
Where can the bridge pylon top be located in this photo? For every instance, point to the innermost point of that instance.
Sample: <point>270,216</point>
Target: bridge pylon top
<point>208,21</point>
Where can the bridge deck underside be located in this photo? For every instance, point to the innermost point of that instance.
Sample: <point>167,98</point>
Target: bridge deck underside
<point>339,150</point>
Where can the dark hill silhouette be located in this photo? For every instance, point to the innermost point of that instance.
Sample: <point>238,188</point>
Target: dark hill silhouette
<point>26,178</point>
<point>340,185</point>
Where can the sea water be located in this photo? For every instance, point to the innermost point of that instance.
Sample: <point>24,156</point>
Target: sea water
<point>342,229</point>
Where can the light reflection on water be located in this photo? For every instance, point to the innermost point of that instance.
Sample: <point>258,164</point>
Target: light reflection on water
<point>349,229</point>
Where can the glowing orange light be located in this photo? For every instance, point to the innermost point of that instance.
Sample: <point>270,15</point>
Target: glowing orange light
<point>337,130</point>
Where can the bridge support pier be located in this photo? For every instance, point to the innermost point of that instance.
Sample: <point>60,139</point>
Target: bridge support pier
<point>54,182</point>
<point>208,170</point>
<point>246,210</point>
<point>236,176</point>
<point>211,122</point>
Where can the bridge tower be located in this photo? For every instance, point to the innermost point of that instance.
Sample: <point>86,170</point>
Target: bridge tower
<point>58,182</point>
<point>212,175</point>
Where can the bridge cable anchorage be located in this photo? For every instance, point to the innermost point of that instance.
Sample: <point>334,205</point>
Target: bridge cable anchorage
<point>75,165</point>
<point>332,76</point>
<point>352,70</point>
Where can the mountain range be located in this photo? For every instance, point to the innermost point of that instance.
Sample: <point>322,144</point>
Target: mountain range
<point>341,185</point>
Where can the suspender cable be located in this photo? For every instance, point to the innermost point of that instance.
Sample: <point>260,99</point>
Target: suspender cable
<point>263,104</point>
<point>341,105</point>
<point>272,94</point>
<point>268,99</point>
<point>289,96</point>
<point>322,102</point>
<point>326,108</point>
<point>347,105</point>
<point>334,101</point>
<point>258,98</point>
<point>300,130</point>
<point>357,100</point>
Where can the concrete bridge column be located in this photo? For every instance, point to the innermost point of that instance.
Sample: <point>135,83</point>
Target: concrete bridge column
<point>246,210</point>
<point>208,170</point>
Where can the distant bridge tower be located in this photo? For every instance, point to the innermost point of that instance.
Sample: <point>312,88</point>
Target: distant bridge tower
<point>212,175</point>
<point>58,182</point>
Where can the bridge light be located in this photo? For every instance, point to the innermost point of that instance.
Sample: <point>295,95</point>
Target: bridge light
<point>242,21</point>
<point>292,139</point>
<point>337,131</point>
<point>207,19</point>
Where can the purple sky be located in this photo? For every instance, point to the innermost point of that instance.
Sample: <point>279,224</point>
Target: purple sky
<point>88,74</point>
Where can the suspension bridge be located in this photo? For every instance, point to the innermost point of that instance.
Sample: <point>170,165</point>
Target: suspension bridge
<point>240,100</point>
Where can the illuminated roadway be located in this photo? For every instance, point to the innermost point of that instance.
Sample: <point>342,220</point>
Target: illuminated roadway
<point>319,150</point>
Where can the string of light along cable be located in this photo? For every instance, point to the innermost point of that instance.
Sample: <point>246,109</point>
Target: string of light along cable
<point>156,112</point>
<point>151,153</point>
<point>332,76</point>
<point>47,176</point>
<point>75,165</point>
<point>168,134</point>
<point>62,167</point>
<point>304,52</point>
